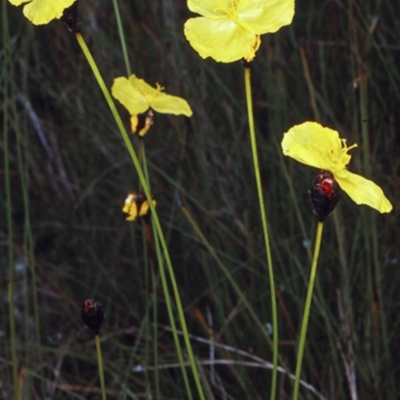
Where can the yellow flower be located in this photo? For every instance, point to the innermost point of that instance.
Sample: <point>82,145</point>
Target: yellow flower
<point>137,97</point>
<point>230,30</point>
<point>43,11</point>
<point>320,147</point>
<point>136,205</point>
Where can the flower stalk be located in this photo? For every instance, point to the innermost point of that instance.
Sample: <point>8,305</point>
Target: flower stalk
<point>247,79</point>
<point>307,307</point>
<point>92,315</point>
<point>155,219</point>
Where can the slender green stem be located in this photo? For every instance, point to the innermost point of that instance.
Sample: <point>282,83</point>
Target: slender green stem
<point>307,307</point>
<point>167,297</point>
<point>185,330</point>
<point>146,261</point>
<point>247,79</point>
<point>146,190</point>
<point>155,333</point>
<point>122,37</point>
<point>101,368</point>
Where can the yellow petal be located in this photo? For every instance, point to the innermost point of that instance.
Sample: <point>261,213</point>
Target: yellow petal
<point>312,144</point>
<point>141,123</point>
<point>210,8</point>
<point>18,2</point>
<point>134,123</point>
<point>144,88</point>
<point>165,103</point>
<point>266,16</point>
<point>144,209</point>
<point>130,207</point>
<point>43,11</point>
<point>129,96</point>
<point>223,40</point>
<point>160,101</point>
<point>363,191</point>
<point>132,215</point>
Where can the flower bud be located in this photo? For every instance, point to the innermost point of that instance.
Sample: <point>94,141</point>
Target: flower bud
<point>92,315</point>
<point>324,194</point>
<point>71,19</point>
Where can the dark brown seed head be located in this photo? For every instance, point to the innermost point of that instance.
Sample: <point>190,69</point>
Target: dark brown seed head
<point>92,315</point>
<point>324,194</point>
<point>71,18</point>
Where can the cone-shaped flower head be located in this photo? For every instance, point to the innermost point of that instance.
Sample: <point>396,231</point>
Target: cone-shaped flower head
<point>320,147</point>
<point>137,97</point>
<point>41,12</point>
<point>230,30</point>
<point>92,315</point>
<point>136,205</point>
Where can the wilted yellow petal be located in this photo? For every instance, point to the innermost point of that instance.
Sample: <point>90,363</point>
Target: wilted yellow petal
<point>363,191</point>
<point>313,145</point>
<point>43,11</point>
<point>133,214</point>
<point>144,208</point>
<point>134,123</point>
<point>223,40</point>
<point>129,96</point>
<point>130,207</point>
<point>141,123</point>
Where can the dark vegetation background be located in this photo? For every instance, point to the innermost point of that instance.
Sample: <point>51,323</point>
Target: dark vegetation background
<point>70,172</point>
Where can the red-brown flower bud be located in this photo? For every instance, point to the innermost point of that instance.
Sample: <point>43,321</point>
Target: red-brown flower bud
<point>324,194</point>
<point>92,315</point>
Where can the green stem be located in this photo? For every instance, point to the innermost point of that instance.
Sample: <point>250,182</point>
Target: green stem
<point>155,333</point>
<point>185,330</point>
<point>247,79</point>
<point>101,368</point>
<point>146,190</point>
<point>122,37</point>
<point>167,297</point>
<point>307,307</point>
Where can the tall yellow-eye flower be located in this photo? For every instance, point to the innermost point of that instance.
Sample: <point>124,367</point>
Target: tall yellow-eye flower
<point>320,147</point>
<point>137,97</point>
<point>41,12</point>
<point>230,30</point>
